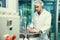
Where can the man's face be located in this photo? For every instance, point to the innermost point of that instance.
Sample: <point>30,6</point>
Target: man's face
<point>38,7</point>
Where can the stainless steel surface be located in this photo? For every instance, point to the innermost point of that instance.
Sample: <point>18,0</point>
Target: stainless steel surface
<point>56,32</point>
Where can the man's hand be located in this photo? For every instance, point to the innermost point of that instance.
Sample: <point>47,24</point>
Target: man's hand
<point>10,37</point>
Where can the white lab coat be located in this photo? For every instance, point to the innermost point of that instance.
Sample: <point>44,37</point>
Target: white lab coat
<point>42,22</point>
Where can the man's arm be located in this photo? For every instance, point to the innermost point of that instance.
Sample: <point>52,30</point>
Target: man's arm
<point>47,24</point>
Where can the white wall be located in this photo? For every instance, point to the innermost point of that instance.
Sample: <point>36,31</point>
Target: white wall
<point>12,5</point>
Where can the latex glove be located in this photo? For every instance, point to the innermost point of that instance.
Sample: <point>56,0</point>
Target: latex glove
<point>10,37</point>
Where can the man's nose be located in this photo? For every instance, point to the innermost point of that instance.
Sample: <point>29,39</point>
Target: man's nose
<point>36,9</point>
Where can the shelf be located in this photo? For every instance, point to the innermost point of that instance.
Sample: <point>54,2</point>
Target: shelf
<point>28,33</point>
<point>24,0</point>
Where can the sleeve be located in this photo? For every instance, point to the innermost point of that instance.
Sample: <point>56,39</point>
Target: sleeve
<point>47,24</point>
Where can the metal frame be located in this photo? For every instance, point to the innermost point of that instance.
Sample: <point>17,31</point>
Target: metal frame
<point>56,28</point>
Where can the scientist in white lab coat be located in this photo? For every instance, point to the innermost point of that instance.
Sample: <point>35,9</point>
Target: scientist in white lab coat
<point>41,21</point>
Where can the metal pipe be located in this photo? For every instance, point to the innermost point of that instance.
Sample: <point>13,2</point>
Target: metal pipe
<point>56,31</point>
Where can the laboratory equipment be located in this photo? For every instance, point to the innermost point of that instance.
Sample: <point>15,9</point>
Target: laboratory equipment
<point>9,20</point>
<point>9,24</point>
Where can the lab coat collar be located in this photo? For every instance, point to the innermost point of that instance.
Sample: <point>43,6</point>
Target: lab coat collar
<point>40,12</point>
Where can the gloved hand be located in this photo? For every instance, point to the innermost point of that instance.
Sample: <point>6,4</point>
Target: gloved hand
<point>10,37</point>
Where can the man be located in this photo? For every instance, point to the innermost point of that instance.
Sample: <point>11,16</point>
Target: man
<point>41,21</point>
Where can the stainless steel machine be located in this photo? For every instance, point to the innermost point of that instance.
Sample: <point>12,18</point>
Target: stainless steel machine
<point>9,24</point>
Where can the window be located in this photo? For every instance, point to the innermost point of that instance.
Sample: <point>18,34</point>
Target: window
<point>0,0</point>
<point>2,3</point>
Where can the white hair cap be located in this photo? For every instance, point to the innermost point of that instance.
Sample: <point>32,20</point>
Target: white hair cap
<point>39,1</point>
